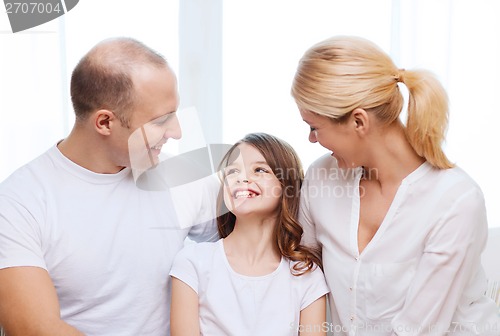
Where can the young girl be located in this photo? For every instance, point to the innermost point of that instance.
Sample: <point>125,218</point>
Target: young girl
<point>257,279</point>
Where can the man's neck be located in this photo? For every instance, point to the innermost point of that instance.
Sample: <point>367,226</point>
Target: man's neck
<point>86,151</point>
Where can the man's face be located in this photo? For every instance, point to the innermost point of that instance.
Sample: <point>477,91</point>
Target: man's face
<point>154,118</point>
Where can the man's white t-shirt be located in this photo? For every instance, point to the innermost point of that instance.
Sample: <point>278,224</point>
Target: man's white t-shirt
<point>235,304</point>
<point>107,245</point>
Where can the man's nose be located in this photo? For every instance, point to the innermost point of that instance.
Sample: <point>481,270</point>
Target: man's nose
<point>174,129</point>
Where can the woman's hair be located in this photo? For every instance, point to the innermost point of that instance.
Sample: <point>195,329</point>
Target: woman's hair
<point>286,166</point>
<point>340,74</point>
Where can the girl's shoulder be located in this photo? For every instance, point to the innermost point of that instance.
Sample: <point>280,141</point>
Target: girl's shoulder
<point>315,273</point>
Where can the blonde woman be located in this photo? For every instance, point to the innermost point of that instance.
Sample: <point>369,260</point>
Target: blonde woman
<point>401,228</point>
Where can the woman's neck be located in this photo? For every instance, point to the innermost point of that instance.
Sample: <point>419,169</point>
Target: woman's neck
<point>393,158</point>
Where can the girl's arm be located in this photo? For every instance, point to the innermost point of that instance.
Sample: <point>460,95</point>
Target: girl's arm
<point>184,315</point>
<point>313,318</point>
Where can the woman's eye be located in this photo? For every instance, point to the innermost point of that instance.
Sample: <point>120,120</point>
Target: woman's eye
<point>312,129</point>
<point>261,170</point>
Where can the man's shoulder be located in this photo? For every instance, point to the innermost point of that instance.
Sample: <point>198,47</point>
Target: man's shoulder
<point>29,176</point>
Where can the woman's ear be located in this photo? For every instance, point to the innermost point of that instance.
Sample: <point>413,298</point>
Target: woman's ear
<point>361,120</point>
<point>103,121</point>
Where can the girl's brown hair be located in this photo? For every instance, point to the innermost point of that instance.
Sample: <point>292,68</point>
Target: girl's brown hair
<point>286,166</point>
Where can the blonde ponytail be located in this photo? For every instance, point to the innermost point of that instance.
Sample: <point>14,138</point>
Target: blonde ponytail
<point>427,116</point>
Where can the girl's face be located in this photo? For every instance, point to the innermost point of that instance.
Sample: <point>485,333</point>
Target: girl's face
<point>336,137</point>
<point>250,186</point>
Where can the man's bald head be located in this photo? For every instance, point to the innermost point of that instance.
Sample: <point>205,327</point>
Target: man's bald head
<point>103,77</point>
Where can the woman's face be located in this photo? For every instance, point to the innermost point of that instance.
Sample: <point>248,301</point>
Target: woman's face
<point>250,186</point>
<point>339,138</point>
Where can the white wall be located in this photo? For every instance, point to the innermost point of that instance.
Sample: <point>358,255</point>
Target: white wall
<point>262,42</point>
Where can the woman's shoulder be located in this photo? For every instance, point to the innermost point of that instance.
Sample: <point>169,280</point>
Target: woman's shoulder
<point>455,179</point>
<point>326,168</point>
<point>324,161</point>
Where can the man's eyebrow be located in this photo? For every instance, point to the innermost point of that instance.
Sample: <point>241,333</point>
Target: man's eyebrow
<point>164,116</point>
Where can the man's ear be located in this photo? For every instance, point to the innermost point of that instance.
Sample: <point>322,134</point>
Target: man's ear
<point>361,121</point>
<point>103,121</point>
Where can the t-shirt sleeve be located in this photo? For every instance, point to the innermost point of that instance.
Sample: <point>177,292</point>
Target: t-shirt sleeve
<point>20,236</point>
<point>185,267</point>
<point>204,232</point>
<point>314,286</point>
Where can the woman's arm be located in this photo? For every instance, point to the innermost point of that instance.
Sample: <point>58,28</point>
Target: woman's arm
<point>313,318</point>
<point>184,315</point>
<point>452,255</point>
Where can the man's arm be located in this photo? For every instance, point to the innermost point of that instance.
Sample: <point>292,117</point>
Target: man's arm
<point>29,304</point>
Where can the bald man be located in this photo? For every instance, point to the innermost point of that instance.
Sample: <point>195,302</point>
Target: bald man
<point>83,250</point>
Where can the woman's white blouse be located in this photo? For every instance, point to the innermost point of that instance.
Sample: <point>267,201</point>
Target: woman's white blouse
<point>421,273</point>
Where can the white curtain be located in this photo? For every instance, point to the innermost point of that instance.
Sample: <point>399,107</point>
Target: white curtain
<point>36,65</point>
<point>262,42</point>
<point>458,40</point>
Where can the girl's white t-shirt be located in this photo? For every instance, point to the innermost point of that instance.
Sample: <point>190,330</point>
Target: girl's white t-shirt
<point>235,304</point>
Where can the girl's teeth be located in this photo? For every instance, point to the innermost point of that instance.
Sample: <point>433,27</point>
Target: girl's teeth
<point>244,194</point>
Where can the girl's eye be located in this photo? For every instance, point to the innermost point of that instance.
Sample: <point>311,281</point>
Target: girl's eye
<point>312,129</point>
<point>261,170</point>
<point>231,171</point>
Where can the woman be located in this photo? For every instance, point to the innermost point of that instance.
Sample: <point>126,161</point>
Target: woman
<point>258,279</point>
<point>400,228</point>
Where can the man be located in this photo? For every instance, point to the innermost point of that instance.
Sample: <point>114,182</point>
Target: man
<point>83,250</point>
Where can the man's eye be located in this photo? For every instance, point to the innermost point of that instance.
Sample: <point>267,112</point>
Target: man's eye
<point>162,120</point>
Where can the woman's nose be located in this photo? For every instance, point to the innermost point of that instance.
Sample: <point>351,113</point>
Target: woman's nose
<point>312,137</point>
